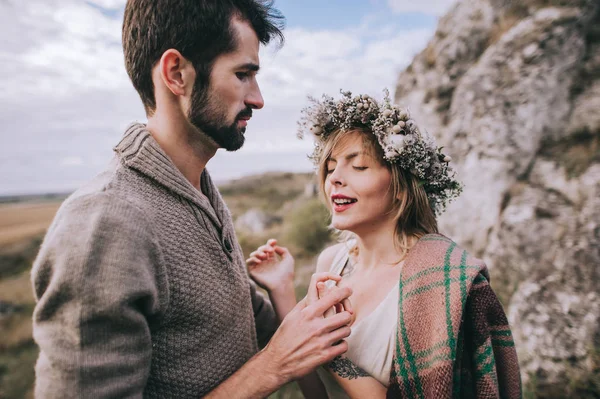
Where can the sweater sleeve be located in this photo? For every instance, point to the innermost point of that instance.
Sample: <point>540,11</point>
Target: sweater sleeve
<point>99,287</point>
<point>264,316</point>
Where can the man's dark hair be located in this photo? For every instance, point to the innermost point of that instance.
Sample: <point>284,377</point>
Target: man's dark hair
<point>200,30</point>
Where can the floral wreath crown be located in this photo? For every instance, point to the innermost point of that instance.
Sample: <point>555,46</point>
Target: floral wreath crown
<point>403,143</point>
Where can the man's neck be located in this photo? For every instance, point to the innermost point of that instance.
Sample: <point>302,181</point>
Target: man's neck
<point>189,149</point>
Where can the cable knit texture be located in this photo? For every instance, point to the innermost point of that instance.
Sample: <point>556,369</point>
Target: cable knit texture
<point>141,286</point>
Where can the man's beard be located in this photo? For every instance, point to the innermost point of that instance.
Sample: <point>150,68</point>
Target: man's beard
<point>208,115</point>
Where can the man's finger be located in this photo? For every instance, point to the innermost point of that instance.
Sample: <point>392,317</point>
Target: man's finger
<point>336,321</point>
<point>313,294</point>
<point>322,290</point>
<point>347,304</point>
<point>324,276</point>
<point>329,300</point>
<point>301,304</point>
<point>338,335</point>
<point>335,350</point>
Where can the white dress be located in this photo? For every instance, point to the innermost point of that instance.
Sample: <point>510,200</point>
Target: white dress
<point>372,342</point>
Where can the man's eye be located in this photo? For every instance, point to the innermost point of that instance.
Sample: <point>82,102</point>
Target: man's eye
<point>241,75</point>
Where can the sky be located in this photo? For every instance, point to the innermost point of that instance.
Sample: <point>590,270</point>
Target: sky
<point>65,98</point>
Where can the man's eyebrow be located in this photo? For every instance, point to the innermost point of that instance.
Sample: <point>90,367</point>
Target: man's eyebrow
<point>249,66</point>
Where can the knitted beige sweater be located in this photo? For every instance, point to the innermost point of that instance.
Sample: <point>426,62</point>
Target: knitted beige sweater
<point>141,286</point>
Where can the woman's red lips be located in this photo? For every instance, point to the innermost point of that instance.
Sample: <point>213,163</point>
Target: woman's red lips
<point>342,202</point>
<point>341,196</point>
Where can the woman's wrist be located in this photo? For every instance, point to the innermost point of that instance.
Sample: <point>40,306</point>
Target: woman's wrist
<point>282,289</point>
<point>283,298</point>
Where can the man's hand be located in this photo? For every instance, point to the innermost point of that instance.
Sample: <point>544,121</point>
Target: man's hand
<point>306,339</point>
<point>322,284</point>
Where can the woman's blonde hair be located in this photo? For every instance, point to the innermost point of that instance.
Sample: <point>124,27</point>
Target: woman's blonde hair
<point>410,208</point>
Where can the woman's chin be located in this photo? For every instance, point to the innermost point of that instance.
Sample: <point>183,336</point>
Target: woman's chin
<point>341,225</point>
<point>337,225</point>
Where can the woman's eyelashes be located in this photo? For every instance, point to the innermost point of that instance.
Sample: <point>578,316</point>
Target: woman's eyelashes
<point>359,168</point>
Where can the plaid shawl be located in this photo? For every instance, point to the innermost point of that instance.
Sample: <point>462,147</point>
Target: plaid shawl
<point>453,338</point>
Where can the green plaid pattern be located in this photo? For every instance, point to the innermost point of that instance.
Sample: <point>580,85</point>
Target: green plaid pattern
<point>453,338</point>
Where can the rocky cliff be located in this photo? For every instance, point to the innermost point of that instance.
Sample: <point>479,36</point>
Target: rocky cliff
<point>512,90</point>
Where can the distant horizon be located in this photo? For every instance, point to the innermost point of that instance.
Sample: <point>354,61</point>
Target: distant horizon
<point>63,192</point>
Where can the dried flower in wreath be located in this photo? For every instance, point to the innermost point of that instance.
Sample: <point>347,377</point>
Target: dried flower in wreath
<point>402,141</point>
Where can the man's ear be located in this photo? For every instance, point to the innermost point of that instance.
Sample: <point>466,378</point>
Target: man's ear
<point>177,73</point>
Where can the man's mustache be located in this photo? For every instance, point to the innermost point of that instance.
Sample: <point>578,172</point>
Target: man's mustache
<point>247,113</point>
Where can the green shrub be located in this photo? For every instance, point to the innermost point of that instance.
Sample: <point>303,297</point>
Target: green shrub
<point>306,228</point>
<point>14,261</point>
<point>249,242</point>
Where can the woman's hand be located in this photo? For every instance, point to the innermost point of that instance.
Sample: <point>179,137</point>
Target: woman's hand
<point>318,288</point>
<point>271,267</point>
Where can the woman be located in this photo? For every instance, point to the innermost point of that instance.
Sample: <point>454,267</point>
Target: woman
<point>427,324</point>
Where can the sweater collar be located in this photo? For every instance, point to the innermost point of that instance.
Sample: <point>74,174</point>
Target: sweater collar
<point>138,150</point>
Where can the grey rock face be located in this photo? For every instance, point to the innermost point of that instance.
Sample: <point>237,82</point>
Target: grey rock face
<point>255,221</point>
<point>513,93</point>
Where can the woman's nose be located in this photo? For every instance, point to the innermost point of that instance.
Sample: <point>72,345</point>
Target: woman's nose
<point>336,177</point>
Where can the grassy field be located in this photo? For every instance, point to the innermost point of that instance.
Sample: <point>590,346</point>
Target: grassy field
<point>23,225</point>
<point>21,221</point>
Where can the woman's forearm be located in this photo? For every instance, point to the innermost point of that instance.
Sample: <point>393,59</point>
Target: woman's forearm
<point>312,386</point>
<point>283,299</point>
<point>355,381</point>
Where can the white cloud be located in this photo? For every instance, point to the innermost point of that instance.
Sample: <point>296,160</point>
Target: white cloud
<point>356,60</point>
<point>435,7</point>
<point>66,92</point>
<point>85,53</point>
<point>110,4</point>
<point>71,161</point>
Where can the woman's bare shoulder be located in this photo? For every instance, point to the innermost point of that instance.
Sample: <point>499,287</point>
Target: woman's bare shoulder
<point>327,255</point>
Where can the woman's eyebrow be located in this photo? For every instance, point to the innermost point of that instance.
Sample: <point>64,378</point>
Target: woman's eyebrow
<point>349,156</point>
<point>354,155</point>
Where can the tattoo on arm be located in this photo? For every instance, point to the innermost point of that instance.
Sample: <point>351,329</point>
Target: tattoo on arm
<point>346,369</point>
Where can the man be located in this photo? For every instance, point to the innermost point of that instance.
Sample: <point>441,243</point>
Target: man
<point>141,286</point>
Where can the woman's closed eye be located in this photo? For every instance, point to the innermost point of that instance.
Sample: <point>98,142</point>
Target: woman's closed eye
<point>360,167</point>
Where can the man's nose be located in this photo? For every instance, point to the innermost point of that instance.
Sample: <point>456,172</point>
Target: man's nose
<point>255,99</point>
